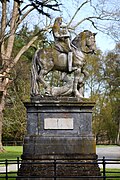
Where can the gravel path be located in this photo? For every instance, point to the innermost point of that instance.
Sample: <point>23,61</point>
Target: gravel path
<point>12,167</point>
<point>110,152</point>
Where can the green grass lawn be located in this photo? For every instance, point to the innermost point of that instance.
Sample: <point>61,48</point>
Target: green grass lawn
<point>11,152</point>
<point>10,175</point>
<point>106,146</point>
<point>112,172</point>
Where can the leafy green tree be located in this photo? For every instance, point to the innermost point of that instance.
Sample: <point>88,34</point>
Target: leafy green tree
<point>112,77</point>
<point>94,81</point>
<point>14,123</point>
<point>103,83</point>
<point>13,13</point>
<point>15,114</point>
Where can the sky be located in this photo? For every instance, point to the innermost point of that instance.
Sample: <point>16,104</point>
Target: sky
<point>103,41</point>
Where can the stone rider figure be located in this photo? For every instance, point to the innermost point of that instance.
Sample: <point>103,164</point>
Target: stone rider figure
<point>62,41</point>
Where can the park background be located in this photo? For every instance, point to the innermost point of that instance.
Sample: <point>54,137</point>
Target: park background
<point>102,84</point>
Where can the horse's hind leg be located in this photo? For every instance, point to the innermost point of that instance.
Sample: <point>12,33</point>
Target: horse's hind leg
<point>75,83</point>
<point>40,78</point>
<point>34,82</point>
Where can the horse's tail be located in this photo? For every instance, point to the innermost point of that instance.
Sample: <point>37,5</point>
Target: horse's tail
<point>34,75</point>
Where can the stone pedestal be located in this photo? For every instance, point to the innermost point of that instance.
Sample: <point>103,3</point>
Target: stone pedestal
<point>59,129</point>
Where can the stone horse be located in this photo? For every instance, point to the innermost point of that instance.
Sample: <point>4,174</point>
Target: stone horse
<point>49,59</point>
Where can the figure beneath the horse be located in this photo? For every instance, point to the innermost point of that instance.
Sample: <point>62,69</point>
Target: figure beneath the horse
<point>67,58</point>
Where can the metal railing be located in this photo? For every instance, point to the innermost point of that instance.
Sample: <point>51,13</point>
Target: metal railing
<point>103,163</point>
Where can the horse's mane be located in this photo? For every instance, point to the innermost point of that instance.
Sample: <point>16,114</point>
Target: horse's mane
<point>80,39</point>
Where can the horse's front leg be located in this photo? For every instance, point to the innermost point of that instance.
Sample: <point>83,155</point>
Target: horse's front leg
<point>75,83</point>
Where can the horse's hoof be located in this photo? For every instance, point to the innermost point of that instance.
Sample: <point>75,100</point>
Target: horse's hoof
<point>73,69</point>
<point>78,95</point>
<point>47,94</point>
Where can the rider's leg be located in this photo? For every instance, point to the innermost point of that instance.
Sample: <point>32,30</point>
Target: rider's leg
<point>70,61</point>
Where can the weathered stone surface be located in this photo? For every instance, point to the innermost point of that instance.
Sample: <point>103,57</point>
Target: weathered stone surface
<point>63,168</point>
<point>35,146</point>
<point>58,123</point>
<point>73,144</point>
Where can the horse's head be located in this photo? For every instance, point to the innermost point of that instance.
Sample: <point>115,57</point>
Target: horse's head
<point>85,41</point>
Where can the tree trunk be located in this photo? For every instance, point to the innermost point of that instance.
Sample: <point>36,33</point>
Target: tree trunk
<point>118,137</point>
<point>1,120</point>
<point>1,117</point>
<point>3,86</point>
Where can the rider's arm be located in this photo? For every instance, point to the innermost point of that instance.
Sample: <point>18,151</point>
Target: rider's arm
<point>56,34</point>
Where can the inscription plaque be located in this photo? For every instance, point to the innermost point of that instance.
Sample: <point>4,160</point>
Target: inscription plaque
<point>58,123</point>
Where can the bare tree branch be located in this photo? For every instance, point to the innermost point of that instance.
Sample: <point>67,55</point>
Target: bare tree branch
<point>38,5</point>
<point>12,30</point>
<point>24,16</point>
<point>100,17</point>
<point>11,63</point>
<point>3,27</point>
<point>78,11</point>
<point>24,48</point>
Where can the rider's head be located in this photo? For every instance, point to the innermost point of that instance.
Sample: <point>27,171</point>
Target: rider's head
<point>58,20</point>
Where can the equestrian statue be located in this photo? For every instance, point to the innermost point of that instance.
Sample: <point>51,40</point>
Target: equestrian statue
<point>66,57</point>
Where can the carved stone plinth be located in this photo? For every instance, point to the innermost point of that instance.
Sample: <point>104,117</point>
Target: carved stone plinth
<point>60,130</point>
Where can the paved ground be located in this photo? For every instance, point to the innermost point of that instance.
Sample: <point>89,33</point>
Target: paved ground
<point>110,152</point>
<point>12,167</point>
